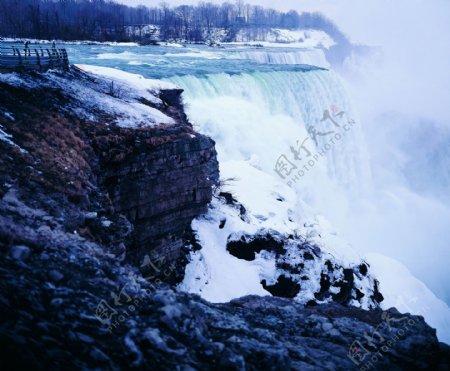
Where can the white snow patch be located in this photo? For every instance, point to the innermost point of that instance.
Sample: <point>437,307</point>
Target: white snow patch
<point>106,223</point>
<point>9,115</point>
<point>139,82</point>
<point>215,274</point>
<point>5,137</point>
<point>120,97</point>
<point>117,93</point>
<point>270,205</point>
<point>172,45</point>
<point>282,38</point>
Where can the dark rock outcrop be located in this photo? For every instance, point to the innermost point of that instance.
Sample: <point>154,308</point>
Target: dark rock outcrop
<point>65,304</point>
<point>247,247</point>
<point>297,261</point>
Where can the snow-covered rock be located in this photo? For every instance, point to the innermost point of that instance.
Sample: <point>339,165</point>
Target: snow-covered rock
<point>132,100</point>
<point>258,238</point>
<point>282,38</point>
<point>126,94</point>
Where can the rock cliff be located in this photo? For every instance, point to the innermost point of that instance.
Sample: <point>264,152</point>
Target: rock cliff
<point>150,180</point>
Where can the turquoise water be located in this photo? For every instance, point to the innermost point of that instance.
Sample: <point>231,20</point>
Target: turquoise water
<point>256,79</point>
<point>169,61</point>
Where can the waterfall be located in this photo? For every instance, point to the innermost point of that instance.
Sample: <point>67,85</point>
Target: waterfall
<point>265,115</point>
<point>314,57</point>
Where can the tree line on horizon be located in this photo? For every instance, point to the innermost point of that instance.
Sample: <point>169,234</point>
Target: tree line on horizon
<point>106,20</point>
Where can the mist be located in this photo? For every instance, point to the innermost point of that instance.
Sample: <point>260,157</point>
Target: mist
<point>401,93</point>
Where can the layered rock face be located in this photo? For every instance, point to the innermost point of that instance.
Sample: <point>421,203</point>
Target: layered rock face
<point>160,191</point>
<point>79,193</point>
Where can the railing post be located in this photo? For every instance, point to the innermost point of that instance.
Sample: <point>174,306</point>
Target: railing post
<point>50,58</point>
<point>38,59</point>
<point>66,59</point>
<point>20,57</point>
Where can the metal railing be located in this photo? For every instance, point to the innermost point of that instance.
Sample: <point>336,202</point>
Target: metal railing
<point>32,57</point>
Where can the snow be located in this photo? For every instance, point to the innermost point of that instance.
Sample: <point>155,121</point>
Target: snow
<point>271,207</point>
<point>9,115</point>
<point>261,193</point>
<point>282,38</point>
<point>5,137</point>
<point>215,274</point>
<point>106,223</point>
<point>111,91</point>
<point>127,89</point>
<point>147,30</point>
<point>309,38</point>
<point>172,45</point>
<point>409,295</point>
<point>138,82</point>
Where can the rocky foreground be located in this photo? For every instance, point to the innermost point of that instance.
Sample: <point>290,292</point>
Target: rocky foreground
<point>95,220</point>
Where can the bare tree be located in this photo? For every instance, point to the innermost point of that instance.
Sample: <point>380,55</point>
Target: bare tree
<point>107,20</point>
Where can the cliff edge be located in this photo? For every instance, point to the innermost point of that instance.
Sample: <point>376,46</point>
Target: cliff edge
<point>111,155</point>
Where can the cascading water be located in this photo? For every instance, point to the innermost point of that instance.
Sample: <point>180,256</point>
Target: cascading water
<point>314,57</point>
<point>269,114</point>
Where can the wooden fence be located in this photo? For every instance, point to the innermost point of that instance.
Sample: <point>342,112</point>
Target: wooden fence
<point>18,57</point>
